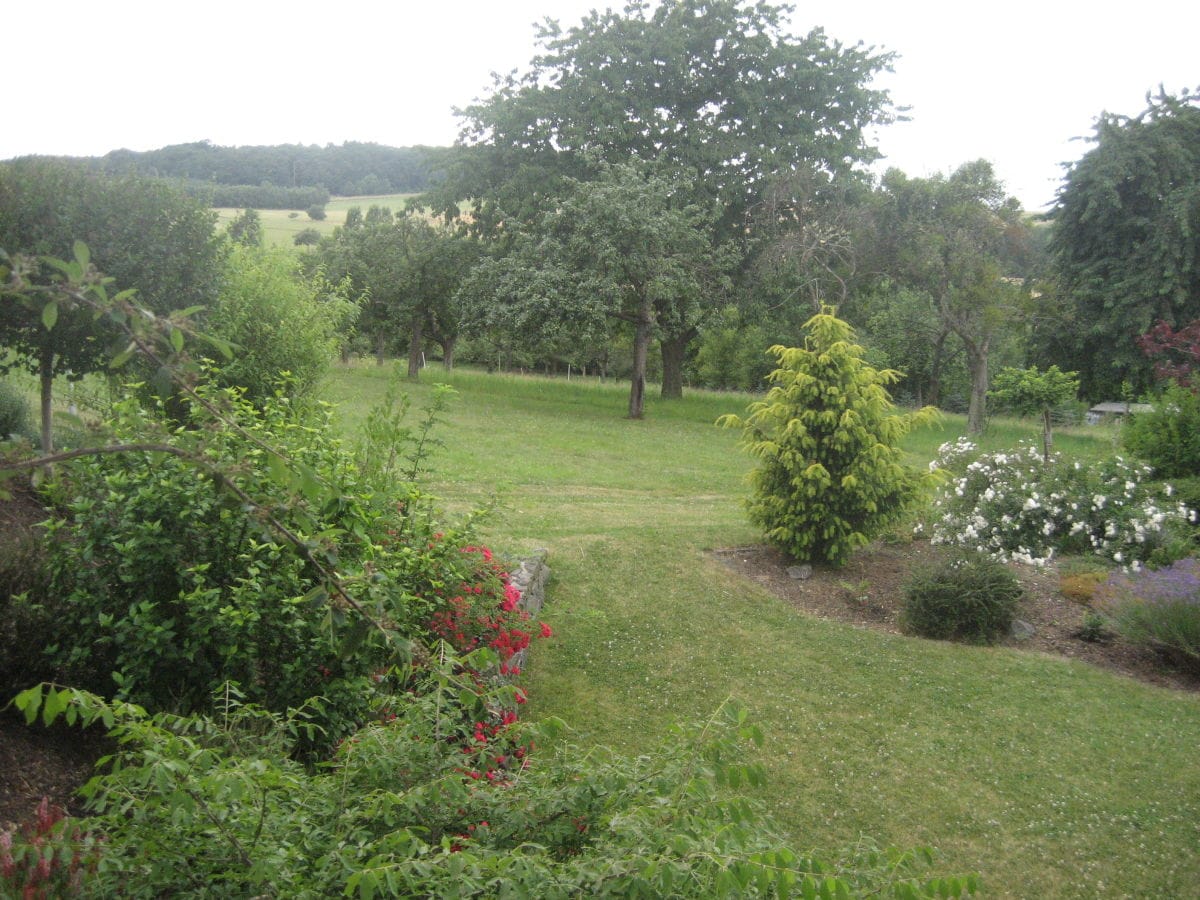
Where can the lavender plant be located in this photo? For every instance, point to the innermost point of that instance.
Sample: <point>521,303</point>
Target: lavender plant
<point>1159,609</point>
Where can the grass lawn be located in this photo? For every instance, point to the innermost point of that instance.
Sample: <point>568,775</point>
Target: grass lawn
<point>280,226</point>
<point>1048,777</point>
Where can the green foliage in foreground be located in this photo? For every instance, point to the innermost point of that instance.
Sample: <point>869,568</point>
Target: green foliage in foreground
<point>189,807</point>
<point>828,437</point>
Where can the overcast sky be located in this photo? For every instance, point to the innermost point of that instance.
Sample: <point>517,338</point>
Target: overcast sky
<point>1012,82</point>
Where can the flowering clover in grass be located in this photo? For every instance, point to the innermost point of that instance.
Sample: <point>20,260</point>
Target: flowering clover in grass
<point>1013,506</point>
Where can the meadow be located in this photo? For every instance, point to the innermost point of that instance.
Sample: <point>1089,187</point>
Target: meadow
<point>1047,776</point>
<point>280,226</point>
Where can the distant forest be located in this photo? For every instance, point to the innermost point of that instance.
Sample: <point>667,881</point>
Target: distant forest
<point>285,176</point>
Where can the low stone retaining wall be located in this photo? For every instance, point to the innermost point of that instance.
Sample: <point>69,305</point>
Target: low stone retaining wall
<point>529,577</point>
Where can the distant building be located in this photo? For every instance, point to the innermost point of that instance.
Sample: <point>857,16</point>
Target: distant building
<point>1114,410</point>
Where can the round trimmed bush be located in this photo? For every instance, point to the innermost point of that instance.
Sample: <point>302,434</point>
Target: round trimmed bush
<point>970,597</point>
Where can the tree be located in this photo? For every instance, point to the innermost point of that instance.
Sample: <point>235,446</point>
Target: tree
<point>141,232</point>
<point>621,247</point>
<point>1176,354</point>
<point>246,229</point>
<point>1126,242</point>
<point>279,320</point>
<point>307,237</point>
<point>963,242</point>
<point>409,269</point>
<point>714,92</point>
<point>827,437</point>
<point>1033,392</point>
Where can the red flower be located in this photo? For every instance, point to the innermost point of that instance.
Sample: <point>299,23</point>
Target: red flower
<point>546,632</point>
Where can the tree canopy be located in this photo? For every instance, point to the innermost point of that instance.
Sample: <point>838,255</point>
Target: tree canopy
<point>141,232</point>
<point>623,247</point>
<point>1126,242</point>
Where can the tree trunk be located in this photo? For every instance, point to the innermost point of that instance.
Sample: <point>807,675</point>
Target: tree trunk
<point>977,363</point>
<point>935,369</point>
<point>1047,437</point>
<point>673,351</point>
<point>414,349</point>
<point>46,374</point>
<point>641,349</point>
<point>380,343</point>
<point>448,352</point>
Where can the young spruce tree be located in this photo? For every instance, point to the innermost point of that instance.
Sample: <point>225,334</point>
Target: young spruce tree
<point>827,436</point>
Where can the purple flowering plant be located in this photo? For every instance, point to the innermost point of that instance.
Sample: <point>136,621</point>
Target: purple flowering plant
<point>1158,608</point>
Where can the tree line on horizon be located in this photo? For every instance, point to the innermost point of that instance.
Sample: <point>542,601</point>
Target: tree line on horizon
<point>282,176</point>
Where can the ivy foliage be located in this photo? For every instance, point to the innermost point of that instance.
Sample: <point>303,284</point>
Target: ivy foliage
<point>827,437</point>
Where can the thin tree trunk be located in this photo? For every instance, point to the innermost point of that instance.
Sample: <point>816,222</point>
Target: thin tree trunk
<point>46,374</point>
<point>641,349</point>
<point>673,350</point>
<point>977,363</point>
<point>448,352</point>
<point>379,347</point>
<point>414,349</point>
<point>935,369</point>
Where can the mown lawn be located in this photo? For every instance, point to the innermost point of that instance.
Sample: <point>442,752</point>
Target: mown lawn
<point>1048,777</point>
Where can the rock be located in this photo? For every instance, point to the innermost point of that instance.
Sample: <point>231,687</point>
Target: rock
<point>1021,630</point>
<point>800,573</point>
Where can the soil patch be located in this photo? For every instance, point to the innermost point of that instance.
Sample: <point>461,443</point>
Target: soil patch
<point>868,592</point>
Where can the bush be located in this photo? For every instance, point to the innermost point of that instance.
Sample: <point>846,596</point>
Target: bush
<point>316,213</point>
<point>14,413</point>
<point>1014,506</point>
<point>279,323</point>
<point>398,813</point>
<point>1159,609</point>
<point>826,434</point>
<point>1168,438</point>
<point>970,597</point>
<point>187,580</point>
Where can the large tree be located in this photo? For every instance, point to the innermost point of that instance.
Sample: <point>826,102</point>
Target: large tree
<point>964,243</point>
<point>623,247</point>
<point>1126,242</point>
<point>716,93</point>
<point>141,232</point>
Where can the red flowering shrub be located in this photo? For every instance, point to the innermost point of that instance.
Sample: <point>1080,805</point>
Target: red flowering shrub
<point>46,858</point>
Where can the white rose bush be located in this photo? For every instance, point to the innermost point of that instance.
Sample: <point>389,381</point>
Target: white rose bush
<point>1013,506</point>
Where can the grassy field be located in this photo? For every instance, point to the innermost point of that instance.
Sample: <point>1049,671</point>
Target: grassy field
<point>1049,777</point>
<point>280,226</point>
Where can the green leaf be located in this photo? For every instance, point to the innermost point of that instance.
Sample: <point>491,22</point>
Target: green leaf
<point>177,340</point>
<point>50,315</point>
<point>29,702</point>
<point>82,255</point>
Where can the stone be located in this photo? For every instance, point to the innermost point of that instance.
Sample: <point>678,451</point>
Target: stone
<point>800,573</point>
<point>1022,630</point>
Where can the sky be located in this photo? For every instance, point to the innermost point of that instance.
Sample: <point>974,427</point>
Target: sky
<point>1018,83</point>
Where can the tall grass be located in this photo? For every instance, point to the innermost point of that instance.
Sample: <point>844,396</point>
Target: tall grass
<point>1049,777</point>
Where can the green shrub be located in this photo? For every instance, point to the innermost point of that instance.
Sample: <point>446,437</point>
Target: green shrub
<point>971,597</point>
<point>279,323</point>
<point>14,413</point>
<point>1168,437</point>
<point>173,571</point>
<point>827,436</point>
<point>216,806</point>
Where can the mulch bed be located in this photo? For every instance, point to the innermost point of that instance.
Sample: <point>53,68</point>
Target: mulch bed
<point>868,592</point>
